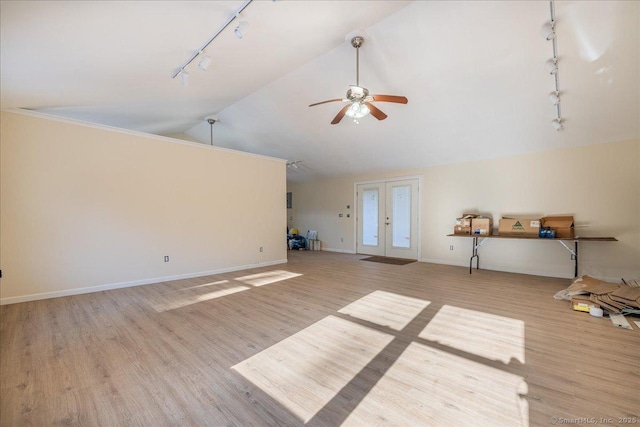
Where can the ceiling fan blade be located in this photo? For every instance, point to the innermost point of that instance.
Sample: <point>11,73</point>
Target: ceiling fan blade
<point>324,102</point>
<point>340,115</point>
<point>375,111</point>
<point>390,98</point>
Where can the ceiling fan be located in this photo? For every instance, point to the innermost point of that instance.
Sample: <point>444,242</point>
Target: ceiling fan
<point>360,102</point>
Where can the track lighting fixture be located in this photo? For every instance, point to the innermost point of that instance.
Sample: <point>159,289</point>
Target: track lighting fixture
<point>242,27</point>
<point>204,62</point>
<point>548,30</point>
<point>240,31</point>
<point>185,78</point>
<point>551,66</point>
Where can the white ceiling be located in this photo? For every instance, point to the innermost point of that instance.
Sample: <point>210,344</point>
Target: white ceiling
<point>473,73</point>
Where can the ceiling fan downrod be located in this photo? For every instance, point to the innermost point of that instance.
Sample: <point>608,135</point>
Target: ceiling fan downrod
<point>211,120</point>
<point>356,42</point>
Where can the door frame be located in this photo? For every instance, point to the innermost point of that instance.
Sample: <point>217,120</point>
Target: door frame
<point>382,181</point>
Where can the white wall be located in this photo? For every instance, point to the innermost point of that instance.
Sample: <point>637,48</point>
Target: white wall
<point>598,184</point>
<point>87,208</point>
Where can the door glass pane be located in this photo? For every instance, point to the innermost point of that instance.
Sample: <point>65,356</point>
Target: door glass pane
<point>401,227</point>
<point>370,217</point>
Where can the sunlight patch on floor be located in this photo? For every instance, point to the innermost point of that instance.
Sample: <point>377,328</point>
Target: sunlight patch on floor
<point>305,371</point>
<point>267,278</point>
<point>483,334</point>
<point>386,309</point>
<point>220,282</point>
<point>429,387</point>
<point>197,294</point>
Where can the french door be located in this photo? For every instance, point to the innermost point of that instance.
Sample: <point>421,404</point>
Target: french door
<point>387,218</point>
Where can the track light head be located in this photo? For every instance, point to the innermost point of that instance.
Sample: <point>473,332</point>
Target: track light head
<point>554,98</point>
<point>242,28</point>
<point>548,31</point>
<point>293,164</point>
<point>204,62</point>
<point>184,76</point>
<point>557,124</point>
<point>551,66</point>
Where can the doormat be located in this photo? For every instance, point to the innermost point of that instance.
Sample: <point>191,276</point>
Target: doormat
<point>385,260</point>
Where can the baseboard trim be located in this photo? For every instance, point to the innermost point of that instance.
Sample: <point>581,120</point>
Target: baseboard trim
<point>503,269</point>
<point>342,251</point>
<point>438,261</point>
<point>520,271</point>
<point>100,288</point>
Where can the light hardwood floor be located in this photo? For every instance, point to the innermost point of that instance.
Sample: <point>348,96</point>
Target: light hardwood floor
<point>324,340</point>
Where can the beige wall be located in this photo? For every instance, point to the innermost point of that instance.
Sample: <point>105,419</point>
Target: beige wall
<point>598,184</point>
<point>183,136</point>
<point>86,208</point>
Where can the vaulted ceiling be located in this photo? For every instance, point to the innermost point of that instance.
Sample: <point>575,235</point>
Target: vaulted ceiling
<point>473,73</point>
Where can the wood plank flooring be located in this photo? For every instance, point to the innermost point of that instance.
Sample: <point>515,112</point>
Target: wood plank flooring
<point>324,340</point>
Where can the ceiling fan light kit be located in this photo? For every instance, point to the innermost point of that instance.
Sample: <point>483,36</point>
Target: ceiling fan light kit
<point>551,66</point>
<point>357,111</point>
<point>360,102</point>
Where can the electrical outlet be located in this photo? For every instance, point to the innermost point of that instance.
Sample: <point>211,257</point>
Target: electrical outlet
<point>451,247</point>
<point>340,215</point>
<point>261,249</point>
<point>166,258</point>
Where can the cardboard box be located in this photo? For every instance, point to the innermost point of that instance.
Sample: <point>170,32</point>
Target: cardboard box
<point>465,219</point>
<point>562,224</point>
<point>482,226</point>
<point>459,229</point>
<point>522,227</point>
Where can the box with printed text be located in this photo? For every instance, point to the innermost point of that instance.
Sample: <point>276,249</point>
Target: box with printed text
<point>522,227</point>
